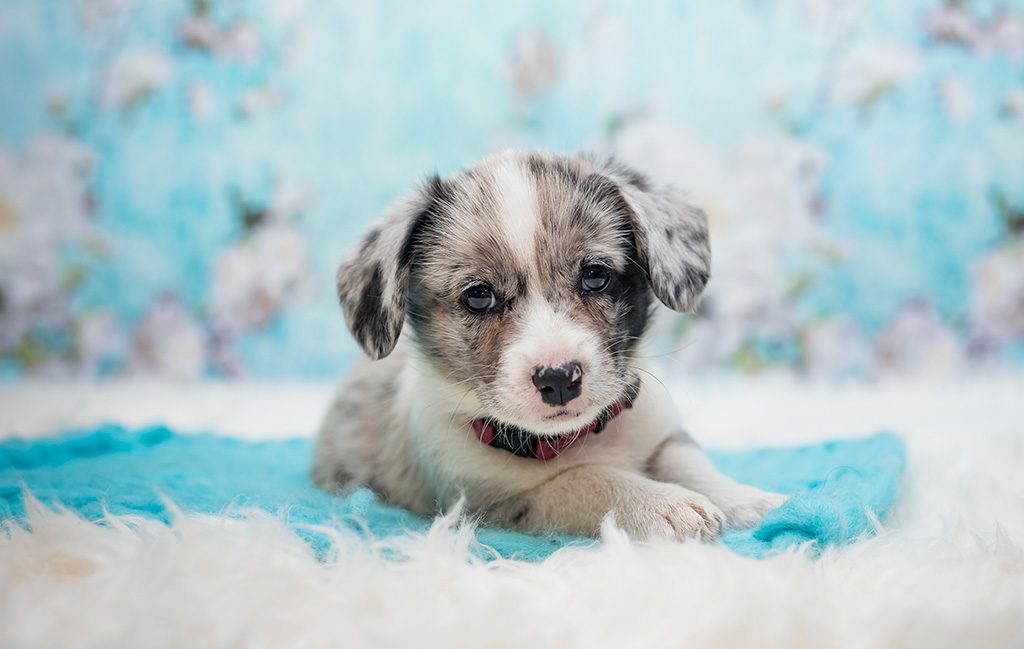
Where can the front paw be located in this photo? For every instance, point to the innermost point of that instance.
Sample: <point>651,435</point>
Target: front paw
<point>669,512</point>
<point>744,506</point>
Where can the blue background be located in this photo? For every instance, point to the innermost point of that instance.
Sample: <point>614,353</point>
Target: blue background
<point>870,154</point>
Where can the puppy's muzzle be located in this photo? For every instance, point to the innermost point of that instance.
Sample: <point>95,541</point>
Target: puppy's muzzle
<point>559,385</point>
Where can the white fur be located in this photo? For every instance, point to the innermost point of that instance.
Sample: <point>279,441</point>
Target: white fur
<point>518,202</point>
<point>550,339</point>
<point>947,571</point>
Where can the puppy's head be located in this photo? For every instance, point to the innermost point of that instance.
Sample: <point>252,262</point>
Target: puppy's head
<point>527,280</point>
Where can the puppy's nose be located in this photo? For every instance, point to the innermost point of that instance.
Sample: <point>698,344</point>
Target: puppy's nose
<point>559,385</point>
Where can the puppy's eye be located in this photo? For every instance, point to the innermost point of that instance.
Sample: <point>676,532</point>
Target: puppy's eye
<point>479,298</point>
<point>595,279</point>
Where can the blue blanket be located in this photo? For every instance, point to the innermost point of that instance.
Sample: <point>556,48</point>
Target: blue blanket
<point>836,488</point>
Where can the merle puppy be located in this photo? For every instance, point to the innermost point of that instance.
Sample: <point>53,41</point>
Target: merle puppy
<point>521,288</point>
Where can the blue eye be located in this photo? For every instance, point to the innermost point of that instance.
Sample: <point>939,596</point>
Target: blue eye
<point>595,279</point>
<point>479,298</point>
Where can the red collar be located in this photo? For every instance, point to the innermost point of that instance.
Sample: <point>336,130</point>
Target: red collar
<point>541,447</point>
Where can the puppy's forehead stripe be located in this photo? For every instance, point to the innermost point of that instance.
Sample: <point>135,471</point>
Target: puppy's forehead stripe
<point>516,200</point>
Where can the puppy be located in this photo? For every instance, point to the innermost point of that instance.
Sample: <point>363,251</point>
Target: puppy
<point>524,286</point>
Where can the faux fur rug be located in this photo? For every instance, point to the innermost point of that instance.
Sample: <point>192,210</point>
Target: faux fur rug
<point>946,568</point>
<point>839,489</point>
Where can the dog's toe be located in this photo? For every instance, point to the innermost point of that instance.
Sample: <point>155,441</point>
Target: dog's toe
<point>673,513</point>
<point>747,505</point>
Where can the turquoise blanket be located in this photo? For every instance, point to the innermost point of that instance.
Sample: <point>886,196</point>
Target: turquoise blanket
<point>837,489</point>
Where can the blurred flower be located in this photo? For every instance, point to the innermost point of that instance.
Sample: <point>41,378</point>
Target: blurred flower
<point>98,15</point>
<point>1007,36</point>
<point>916,341</point>
<point>761,202</point>
<point>285,11</point>
<point>239,41</point>
<point>821,13</point>
<point>266,271</point>
<point>100,342</point>
<point>201,102</point>
<point>198,31</point>
<point>534,63</point>
<point>31,298</point>
<point>1013,102</point>
<point>259,100</point>
<point>97,346</point>
<point>287,201</point>
<point>951,23</point>
<point>956,99</point>
<point>872,70</point>
<point>44,206</point>
<point>954,23</point>
<point>257,278</point>
<point>997,295</point>
<point>835,347</point>
<point>169,342</point>
<point>134,75</point>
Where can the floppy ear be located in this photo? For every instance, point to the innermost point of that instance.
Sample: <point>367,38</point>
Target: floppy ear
<point>373,281</point>
<point>671,237</point>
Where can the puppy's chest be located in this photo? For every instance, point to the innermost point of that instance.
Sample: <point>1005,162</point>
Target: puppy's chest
<point>455,461</point>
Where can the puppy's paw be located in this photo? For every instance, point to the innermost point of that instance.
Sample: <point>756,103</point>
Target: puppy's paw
<point>744,505</point>
<point>670,512</point>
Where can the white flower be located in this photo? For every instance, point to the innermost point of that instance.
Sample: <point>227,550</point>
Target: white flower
<point>32,296</point>
<point>287,201</point>
<point>259,100</point>
<point>100,15</point>
<point>198,31</point>
<point>832,20</point>
<point>872,70</point>
<point>760,201</point>
<point>257,278</point>
<point>1007,36</point>
<point>916,341</point>
<point>44,206</point>
<point>819,12</point>
<point>956,99</point>
<point>835,347</point>
<point>169,342</point>
<point>534,62</point>
<point>135,74</point>
<point>997,295</point>
<point>45,191</point>
<point>1002,35</point>
<point>1013,102</point>
<point>99,339</point>
<point>201,102</point>
<point>765,188</point>
<point>706,342</point>
<point>239,41</point>
<point>952,23</point>
<point>284,11</point>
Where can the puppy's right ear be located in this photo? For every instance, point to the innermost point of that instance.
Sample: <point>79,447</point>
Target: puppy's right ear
<point>373,281</point>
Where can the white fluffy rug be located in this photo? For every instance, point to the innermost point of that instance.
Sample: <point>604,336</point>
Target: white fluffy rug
<point>947,570</point>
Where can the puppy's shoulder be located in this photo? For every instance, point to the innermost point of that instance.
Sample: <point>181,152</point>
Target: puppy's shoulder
<point>362,440</point>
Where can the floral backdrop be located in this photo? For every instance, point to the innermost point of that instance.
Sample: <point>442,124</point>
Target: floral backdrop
<point>178,180</point>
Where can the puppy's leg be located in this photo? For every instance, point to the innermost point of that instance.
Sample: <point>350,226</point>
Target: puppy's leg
<point>681,461</point>
<point>578,499</point>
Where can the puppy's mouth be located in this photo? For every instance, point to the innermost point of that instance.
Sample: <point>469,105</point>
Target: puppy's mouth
<point>532,444</point>
<point>563,415</point>
<point>567,420</point>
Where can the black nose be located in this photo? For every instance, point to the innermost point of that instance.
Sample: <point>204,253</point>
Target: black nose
<point>559,385</point>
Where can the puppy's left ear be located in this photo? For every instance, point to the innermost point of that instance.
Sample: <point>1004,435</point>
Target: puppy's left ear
<point>373,281</point>
<point>671,237</point>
